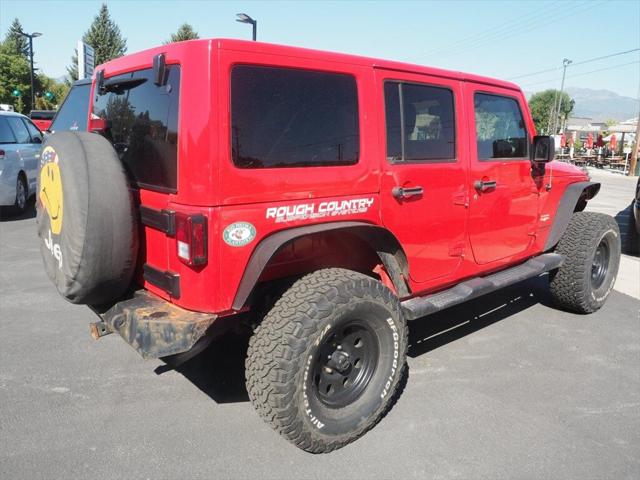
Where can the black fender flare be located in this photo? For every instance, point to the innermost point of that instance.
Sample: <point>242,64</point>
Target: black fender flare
<point>382,240</point>
<point>567,205</point>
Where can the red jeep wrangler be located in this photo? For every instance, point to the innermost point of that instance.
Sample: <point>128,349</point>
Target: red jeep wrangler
<point>336,197</point>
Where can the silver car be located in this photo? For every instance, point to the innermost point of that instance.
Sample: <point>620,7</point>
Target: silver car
<point>20,144</point>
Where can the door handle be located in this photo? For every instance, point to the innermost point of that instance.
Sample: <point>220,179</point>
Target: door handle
<point>401,192</point>
<point>485,185</point>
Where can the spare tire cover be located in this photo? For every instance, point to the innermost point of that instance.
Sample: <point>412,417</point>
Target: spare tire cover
<point>86,218</point>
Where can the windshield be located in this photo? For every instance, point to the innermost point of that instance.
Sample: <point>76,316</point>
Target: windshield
<point>74,110</point>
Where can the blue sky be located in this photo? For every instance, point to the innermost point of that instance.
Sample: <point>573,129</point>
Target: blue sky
<point>503,39</point>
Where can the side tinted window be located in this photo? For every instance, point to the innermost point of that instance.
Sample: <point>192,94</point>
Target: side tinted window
<point>6,135</point>
<point>420,122</point>
<point>500,130</point>
<point>33,131</point>
<point>142,125</point>
<point>293,118</point>
<point>19,130</point>
<point>74,110</point>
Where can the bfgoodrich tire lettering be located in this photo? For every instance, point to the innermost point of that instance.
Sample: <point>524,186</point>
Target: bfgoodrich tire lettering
<point>591,245</point>
<point>325,308</point>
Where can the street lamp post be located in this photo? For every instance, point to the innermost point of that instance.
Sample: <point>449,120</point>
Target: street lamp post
<point>556,114</point>
<point>31,36</point>
<point>244,18</point>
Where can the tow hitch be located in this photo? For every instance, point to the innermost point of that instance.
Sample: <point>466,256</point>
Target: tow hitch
<point>99,329</point>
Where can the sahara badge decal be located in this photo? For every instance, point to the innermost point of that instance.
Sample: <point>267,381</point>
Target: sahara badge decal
<point>239,234</point>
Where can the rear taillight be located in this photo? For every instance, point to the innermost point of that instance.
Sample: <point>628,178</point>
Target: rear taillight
<point>191,238</point>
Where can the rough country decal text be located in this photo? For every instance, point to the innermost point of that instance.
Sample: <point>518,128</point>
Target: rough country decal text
<point>330,208</point>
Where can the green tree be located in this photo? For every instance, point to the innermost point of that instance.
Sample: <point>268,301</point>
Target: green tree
<point>105,38</point>
<point>14,74</point>
<point>185,32</point>
<point>58,91</point>
<point>542,106</point>
<point>14,43</point>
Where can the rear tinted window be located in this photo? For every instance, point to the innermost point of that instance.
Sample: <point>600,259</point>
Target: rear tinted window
<point>293,118</point>
<point>142,125</point>
<point>74,110</point>
<point>420,122</point>
<point>6,135</point>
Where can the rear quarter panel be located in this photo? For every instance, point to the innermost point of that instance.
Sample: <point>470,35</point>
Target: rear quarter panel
<point>262,197</point>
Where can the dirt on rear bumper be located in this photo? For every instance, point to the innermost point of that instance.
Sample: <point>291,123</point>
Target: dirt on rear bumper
<point>153,326</point>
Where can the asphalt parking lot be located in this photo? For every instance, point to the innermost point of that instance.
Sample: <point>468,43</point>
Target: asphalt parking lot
<point>503,387</point>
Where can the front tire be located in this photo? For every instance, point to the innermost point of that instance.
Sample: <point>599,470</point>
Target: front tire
<point>591,245</point>
<point>323,366</point>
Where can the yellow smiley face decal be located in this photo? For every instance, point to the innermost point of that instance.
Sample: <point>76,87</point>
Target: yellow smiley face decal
<point>51,190</point>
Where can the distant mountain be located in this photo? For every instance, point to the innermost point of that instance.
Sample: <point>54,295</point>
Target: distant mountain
<point>602,105</point>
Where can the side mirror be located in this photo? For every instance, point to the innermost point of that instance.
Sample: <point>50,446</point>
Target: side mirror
<point>37,139</point>
<point>543,149</point>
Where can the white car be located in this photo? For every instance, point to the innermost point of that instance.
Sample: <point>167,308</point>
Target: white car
<point>20,144</point>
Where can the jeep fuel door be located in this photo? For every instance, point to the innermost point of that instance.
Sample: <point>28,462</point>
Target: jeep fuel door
<point>423,187</point>
<point>503,207</point>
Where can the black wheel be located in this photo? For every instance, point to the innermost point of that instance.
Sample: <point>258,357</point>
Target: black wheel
<point>22,194</point>
<point>323,366</point>
<point>591,245</point>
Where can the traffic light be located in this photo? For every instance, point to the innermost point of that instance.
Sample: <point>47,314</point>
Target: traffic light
<point>16,93</point>
<point>49,95</point>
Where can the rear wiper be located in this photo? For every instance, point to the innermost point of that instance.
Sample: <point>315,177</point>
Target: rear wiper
<point>119,85</point>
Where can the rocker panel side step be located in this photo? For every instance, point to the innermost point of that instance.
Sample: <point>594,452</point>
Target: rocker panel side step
<point>421,306</point>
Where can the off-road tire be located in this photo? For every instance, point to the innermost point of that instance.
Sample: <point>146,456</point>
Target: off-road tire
<point>286,348</point>
<point>572,286</point>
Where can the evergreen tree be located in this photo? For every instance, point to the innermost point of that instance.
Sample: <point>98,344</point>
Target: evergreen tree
<point>14,43</point>
<point>185,32</point>
<point>105,38</point>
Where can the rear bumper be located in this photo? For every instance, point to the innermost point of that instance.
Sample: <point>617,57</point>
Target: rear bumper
<point>153,326</point>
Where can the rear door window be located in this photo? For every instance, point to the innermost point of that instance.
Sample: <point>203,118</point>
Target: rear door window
<point>142,124</point>
<point>6,135</point>
<point>420,122</point>
<point>283,117</point>
<point>74,111</point>
<point>500,129</point>
<point>19,130</point>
